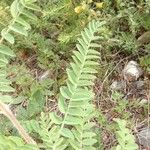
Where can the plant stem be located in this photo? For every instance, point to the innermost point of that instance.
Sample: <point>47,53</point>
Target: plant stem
<point>8,113</point>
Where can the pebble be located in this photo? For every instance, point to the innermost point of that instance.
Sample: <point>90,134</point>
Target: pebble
<point>118,85</point>
<point>132,71</point>
<point>144,137</point>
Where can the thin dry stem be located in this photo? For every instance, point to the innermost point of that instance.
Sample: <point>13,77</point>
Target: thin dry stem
<point>8,113</point>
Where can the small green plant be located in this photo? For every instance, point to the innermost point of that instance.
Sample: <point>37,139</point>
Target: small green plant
<point>126,140</point>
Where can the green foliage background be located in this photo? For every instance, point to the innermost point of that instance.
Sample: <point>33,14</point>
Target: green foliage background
<point>50,46</point>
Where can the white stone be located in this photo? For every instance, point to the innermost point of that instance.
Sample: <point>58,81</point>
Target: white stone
<point>132,71</point>
<point>118,85</point>
<point>144,137</point>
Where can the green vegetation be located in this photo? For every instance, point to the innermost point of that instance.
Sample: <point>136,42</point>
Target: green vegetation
<point>58,59</point>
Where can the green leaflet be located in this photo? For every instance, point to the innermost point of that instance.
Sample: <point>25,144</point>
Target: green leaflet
<point>2,65</point>
<point>88,76</point>
<point>84,46</point>
<point>4,81</point>
<point>5,98</point>
<point>18,29</point>
<point>80,49</point>
<point>23,23</point>
<point>89,141</point>
<point>85,37</point>
<point>74,144</point>
<point>62,104</point>
<point>65,92</point>
<point>30,5</point>
<point>88,134</point>
<point>79,103</point>
<point>85,83</point>
<point>92,63</point>
<point>14,142</point>
<point>67,133</point>
<point>28,14</point>
<point>75,68</point>
<point>89,70</point>
<point>3,59</point>
<point>14,8</point>
<point>6,88</point>
<point>94,45</point>
<point>85,95</point>
<point>56,119</point>
<point>3,73</point>
<point>71,77</point>
<point>72,120</point>
<point>33,7</point>
<point>92,57</point>
<point>7,36</point>
<point>75,111</point>
<point>78,55</point>
<point>94,52</point>
<point>6,50</point>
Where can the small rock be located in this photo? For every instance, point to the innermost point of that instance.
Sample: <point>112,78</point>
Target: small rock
<point>139,84</point>
<point>132,71</point>
<point>144,38</point>
<point>118,85</point>
<point>44,76</point>
<point>143,101</point>
<point>144,137</point>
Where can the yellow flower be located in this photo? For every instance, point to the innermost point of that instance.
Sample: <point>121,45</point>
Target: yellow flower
<point>99,5</point>
<point>78,9</point>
